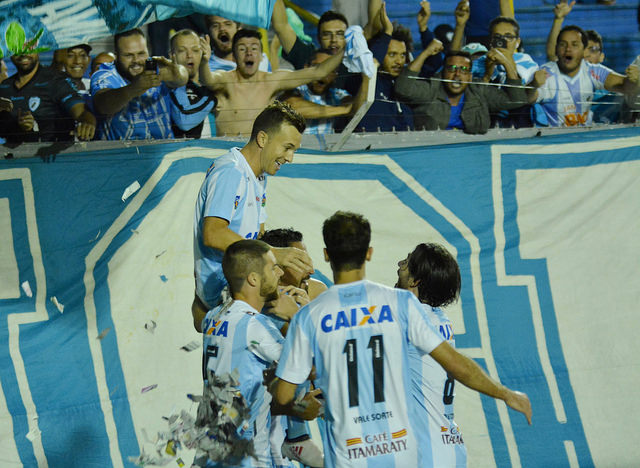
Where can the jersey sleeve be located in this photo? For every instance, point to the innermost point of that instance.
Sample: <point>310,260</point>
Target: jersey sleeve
<point>264,339</point>
<point>296,359</point>
<point>421,332</point>
<point>598,75</point>
<point>103,79</point>
<point>65,93</point>
<point>223,189</point>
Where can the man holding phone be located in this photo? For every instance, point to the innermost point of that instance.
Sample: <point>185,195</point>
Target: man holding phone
<point>131,95</point>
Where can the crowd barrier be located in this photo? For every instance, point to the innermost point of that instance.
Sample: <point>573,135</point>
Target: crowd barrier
<point>96,283</point>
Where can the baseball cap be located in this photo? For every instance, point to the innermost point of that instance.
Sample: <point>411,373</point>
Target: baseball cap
<point>474,48</point>
<point>86,47</point>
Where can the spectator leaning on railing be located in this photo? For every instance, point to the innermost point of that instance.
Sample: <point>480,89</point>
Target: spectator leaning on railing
<point>453,101</point>
<point>43,105</point>
<point>131,96</point>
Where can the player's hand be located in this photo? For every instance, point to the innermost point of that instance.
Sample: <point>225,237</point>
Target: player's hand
<point>296,259</point>
<point>562,9</point>
<point>434,47</point>
<point>85,131</point>
<point>520,402</point>
<point>26,121</point>
<point>288,303</point>
<point>462,13</point>
<point>309,407</point>
<point>423,15</point>
<point>6,105</point>
<point>205,46</point>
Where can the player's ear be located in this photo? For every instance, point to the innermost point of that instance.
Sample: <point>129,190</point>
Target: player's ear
<point>253,279</point>
<point>262,138</point>
<point>413,283</point>
<point>369,254</point>
<point>326,255</point>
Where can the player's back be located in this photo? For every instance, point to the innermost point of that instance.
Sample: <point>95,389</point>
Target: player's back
<point>359,335</point>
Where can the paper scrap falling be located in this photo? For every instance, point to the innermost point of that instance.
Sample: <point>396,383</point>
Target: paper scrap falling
<point>191,346</point>
<point>97,235</point>
<point>164,251</point>
<point>150,326</point>
<point>33,434</point>
<point>26,287</point>
<point>148,388</point>
<point>104,332</point>
<point>180,462</point>
<point>164,278</point>
<point>59,306</point>
<point>134,231</point>
<point>130,190</point>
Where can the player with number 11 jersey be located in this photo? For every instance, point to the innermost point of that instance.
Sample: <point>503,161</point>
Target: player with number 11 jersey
<point>358,335</point>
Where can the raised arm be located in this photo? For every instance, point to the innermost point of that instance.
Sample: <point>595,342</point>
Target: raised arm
<point>506,8</point>
<point>560,11</point>
<point>284,80</point>
<point>281,25</point>
<point>467,372</point>
<point>433,48</point>
<point>311,110</point>
<point>374,25</point>
<point>172,74</point>
<point>461,13</point>
<point>213,81</point>
<point>109,101</point>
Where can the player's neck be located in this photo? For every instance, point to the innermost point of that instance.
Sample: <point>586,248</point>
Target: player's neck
<point>251,153</point>
<point>254,301</point>
<point>349,276</point>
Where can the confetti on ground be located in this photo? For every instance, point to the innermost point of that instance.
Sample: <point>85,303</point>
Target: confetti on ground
<point>59,306</point>
<point>180,462</point>
<point>161,253</point>
<point>97,235</point>
<point>130,190</point>
<point>191,346</point>
<point>104,332</point>
<point>149,388</point>
<point>26,287</point>
<point>150,326</point>
<point>164,278</point>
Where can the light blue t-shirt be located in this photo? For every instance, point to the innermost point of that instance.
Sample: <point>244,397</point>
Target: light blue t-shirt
<point>358,336</point>
<point>230,191</point>
<point>144,117</point>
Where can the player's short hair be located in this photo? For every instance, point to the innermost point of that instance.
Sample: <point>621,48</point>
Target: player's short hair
<point>283,237</point>
<point>402,34</point>
<point>578,29</point>
<point>437,273</point>
<point>129,33</point>
<point>270,120</point>
<point>346,238</point>
<point>242,258</point>
<point>331,15</point>
<point>594,36</point>
<point>504,19</point>
<point>242,33</point>
<point>182,32</point>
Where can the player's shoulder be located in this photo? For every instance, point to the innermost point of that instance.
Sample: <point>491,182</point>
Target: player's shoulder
<point>228,163</point>
<point>315,288</point>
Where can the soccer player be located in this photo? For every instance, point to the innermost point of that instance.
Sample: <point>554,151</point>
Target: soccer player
<point>238,337</point>
<point>358,334</point>
<point>432,275</point>
<point>232,199</point>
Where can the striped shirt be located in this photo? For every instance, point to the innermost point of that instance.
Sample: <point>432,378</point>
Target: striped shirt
<point>333,97</point>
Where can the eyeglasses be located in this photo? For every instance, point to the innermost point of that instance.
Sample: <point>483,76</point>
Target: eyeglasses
<point>506,37</point>
<point>454,68</point>
<point>594,49</point>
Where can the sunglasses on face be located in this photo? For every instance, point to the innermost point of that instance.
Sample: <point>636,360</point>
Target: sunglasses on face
<point>454,68</point>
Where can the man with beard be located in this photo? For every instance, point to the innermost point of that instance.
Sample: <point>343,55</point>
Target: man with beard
<point>433,276</point>
<point>222,31</point>
<point>242,93</point>
<point>45,105</point>
<point>190,104</point>
<point>131,95</point>
<point>567,95</point>
<point>454,101</point>
<point>237,337</point>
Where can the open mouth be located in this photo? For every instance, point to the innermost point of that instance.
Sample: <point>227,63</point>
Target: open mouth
<point>249,63</point>
<point>224,38</point>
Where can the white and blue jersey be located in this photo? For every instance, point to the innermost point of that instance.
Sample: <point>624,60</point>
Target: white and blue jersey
<point>525,66</point>
<point>230,191</point>
<point>434,391</point>
<point>358,336</point>
<point>144,117</point>
<point>245,340</point>
<point>332,97</point>
<point>565,100</point>
<point>219,64</point>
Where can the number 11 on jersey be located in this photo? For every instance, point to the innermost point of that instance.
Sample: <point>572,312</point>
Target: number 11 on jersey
<point>377,365</point>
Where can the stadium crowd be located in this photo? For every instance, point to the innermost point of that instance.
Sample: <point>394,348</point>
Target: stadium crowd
<point>216,79</point>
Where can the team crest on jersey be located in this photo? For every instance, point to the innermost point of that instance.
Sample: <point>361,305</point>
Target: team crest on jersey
<point>264,199</point>
<point>235,202</point>
<point>446,331</point>
<point>356,317</point>
<point>34,103</point>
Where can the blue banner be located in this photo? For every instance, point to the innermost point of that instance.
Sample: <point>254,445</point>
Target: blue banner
<point>96,282</point>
